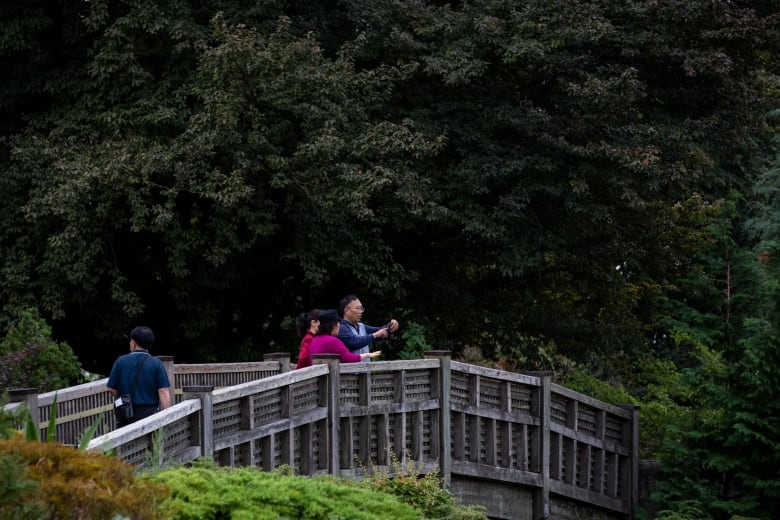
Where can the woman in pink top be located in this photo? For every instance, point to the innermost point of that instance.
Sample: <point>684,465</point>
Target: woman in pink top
<point>306,324</point>
<point>326,342</point>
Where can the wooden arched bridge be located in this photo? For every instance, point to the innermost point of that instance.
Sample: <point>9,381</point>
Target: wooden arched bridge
<point>516,443</point>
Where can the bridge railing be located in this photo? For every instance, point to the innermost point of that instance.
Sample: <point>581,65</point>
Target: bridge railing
<point>466,421</point>
<point>537,434</point>
<point>78,407</point>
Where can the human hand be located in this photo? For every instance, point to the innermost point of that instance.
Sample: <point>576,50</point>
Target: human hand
<point>374,354</point>
<point>393,325</point>
<point>381,334</point>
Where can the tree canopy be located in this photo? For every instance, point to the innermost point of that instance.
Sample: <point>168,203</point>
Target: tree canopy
<point>504,173</point>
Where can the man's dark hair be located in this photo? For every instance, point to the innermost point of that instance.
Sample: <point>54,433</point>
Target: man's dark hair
<point>143,337</point>
<point>346,300</point>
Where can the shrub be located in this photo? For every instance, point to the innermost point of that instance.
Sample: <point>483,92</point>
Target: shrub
<point>17,491</point>
<point>29,357</point>
<point>248,493</point>
<point>424,492</point>
<point>75,484</point>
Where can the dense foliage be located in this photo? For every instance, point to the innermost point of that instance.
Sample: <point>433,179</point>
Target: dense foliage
<point>721,458</point>
<point>206,491</point>
<point>30,358</point>
<point>212,170</point>
<point>579,186</point>
<point>203,492</point>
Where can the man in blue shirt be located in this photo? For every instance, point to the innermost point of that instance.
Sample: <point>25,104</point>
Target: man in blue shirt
<point>356,335</point>
<point>141,376</point>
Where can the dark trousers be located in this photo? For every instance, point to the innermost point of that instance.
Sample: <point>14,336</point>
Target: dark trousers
<point>139,412</point>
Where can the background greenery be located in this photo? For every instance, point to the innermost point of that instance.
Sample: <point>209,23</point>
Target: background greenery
<point>583,186</point>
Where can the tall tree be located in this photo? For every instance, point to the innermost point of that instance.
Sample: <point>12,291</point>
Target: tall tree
<point>723,457</point>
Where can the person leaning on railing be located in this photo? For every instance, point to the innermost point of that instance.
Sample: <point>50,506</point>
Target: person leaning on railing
<point>326,342</point>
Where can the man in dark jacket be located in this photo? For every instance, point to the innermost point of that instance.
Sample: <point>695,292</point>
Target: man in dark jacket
<point>356,335</point>
<point>141,376</point>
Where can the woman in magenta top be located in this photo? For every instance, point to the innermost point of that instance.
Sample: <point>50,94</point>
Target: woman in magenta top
<point>306,324</point>
<point>326,342</point>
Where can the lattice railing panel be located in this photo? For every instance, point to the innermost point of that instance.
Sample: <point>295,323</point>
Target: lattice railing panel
<point>417,385</point>
<point>306,396</point>
<point>382,387</point>
<point>349,389</point>
<point>227,418</point>
<point>586,419</point>
<point>489,393</point>
<point>267,406</point>
<point>521,398</point>
<point>459,388</point>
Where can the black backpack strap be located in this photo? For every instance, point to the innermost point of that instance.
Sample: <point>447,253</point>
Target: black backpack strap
<point>137,373</point>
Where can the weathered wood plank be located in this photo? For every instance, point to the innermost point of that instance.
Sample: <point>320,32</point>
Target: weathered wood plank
<point>513,476</point>
<point>495,374</point>
<point>91,413</point>
<point>269,383</point>
<point>499,415</point>
<point>605,444</point>
<point>75,392</point>
<point>595,403</point>
<point>306,437</point>
<point>389,366</point>
<point>145,426</point>
<point>186,455</point>
<point>567,490</point>
<point>224,368</point>
<point>378,409</point>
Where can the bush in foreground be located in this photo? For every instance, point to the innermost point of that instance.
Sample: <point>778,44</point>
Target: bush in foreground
<point>50,480</point>
<point>199,493</point>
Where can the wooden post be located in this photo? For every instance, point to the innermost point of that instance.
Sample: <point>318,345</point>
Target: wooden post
<point>399,420</point>
<point>474,421</point>
<point>632,435</point>
<point>282,357</point>
<point>505,427</point>
<point>541,408</point>
<point>599,460</point>
<point>167,362</point>
<point>334,411</point>
<point>286,438</point>
<point>445,389</point>
<point>28,396</point>
<point>569,446</point>
<point>204,428</point>
<point>247,450</point>
<point>364,431</point>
